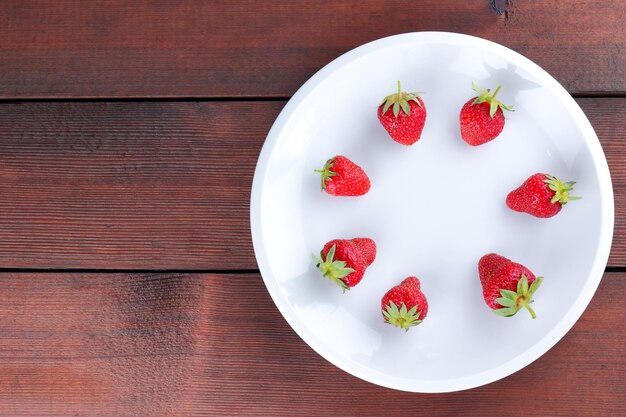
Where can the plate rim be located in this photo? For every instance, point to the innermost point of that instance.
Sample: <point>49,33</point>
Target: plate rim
<point>556,333</point>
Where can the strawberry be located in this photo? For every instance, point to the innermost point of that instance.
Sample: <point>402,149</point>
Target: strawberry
<point>404,126</point>
<point>344,261</point>
<point>342,177</point>
<point>405,305</point>
<point>541,195</point>
<point>481,117</point>
<point>507,286</point>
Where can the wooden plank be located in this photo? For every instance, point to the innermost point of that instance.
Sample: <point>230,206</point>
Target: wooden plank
<point>185,48</point>
<point>129,185</point>
<point>163,185</point>
<point>608,117</point>
<point>214,345</point>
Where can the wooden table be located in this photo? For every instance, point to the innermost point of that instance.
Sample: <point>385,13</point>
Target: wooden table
<point>129,132</point>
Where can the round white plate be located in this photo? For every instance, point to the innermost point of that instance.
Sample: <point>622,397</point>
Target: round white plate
<point>434,209</point>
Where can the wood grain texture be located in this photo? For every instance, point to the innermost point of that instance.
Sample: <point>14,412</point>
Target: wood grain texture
<point>608,117</point>
<point>129,185</point>
<point>163,185</point>
<point>177,345</point>
<point>174,48</point>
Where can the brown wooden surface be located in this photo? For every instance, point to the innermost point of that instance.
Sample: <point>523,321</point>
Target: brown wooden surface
<point>129,185</point>
<point>164,185</point>
<point>157,185</point>
<point>173,48</point>
<point>178,345</point>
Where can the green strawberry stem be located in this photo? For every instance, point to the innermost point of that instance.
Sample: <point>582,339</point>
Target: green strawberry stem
<point>400,100</point>
<point>512,301</point>
<point>326,173</point>
<point>561,189</point>
<point>402,317</point>
<point>495,93</point>
<point>525,304</point>
<point>485,96</point>
<point>333,270</point>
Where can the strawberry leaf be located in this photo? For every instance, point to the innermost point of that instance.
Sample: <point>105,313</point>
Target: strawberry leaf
<point>485,96</point>
<point>480,91</point>
<point>561,189</point>
<point>509,294</point>
<point>326,173</point>
<point>412,311</point>
<point>493,108</point>
<point>506,302</point>
<point>513,301</point>
<point>401,317</point>
<point>388,103</point>
<point>334,270</point>
<point>405,107</point>
<point>536,283</point>
<point>505,312</point>
<point>522,285</point>
<point>400,101</point>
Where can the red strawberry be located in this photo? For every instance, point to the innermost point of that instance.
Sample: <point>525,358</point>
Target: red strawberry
<point>344,261</point>
<point>367,247</point>
<point>506,285</point>
<point>481,117</point>
<point>404,126</point>
<point>342,177</point>
<point>541,195</point>
<point>405,305</point>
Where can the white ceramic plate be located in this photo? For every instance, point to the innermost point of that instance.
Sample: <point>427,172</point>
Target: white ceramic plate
<point>434,209</point>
